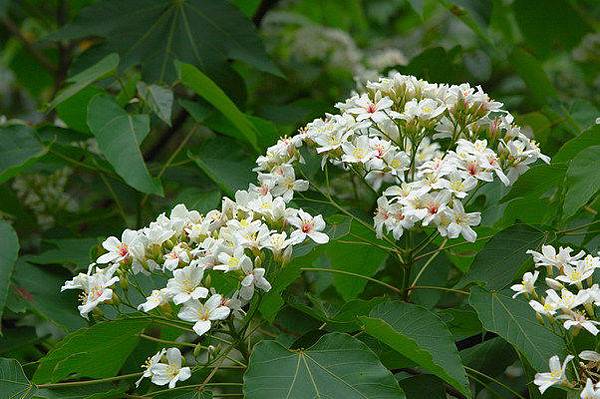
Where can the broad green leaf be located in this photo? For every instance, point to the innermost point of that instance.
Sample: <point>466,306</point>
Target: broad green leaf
<point>154,33</point>
<point>591,137</point>
<point>105,67</point>
<point>95,352</point>
<point>13,381</point>
<point>549,24</point>
<point>537,180</point>
<point>39,288</point>
<point>19,149</point>
<point>158,98</point>
<point>502,257</point>
<point>200,200</point>
<point>267,136</point>
<point>337,366</point>
<point>491,357</point>
<point>226,163</point>
<point>515,321</point>
<point>248,7</point>
<point>73,111</point>
<point>185,394</point>
<point>420,336</point>
<point>95,391</point>
<point>529,69</point>
<point>583,180</point>
<point>9,251</point>
<point>67,251</point>
<point>423,386</point>
<point>202,85</point>
<point>119,136</point>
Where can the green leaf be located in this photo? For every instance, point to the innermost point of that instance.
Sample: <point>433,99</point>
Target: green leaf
<point>421,336</point>
<point>515,321</point>
<point>19,149</point>
<point>158,98</point>
<point>40,286</point>
<point>502,257</point>
<point>590,137</point>
<point>207,89</point>
<point>192,393</point>
<point>491,357</point>
<point>549,24</point>
<point>530,70</point>
<point>13,382</point>
<point>195,198</point>
<point>95,352</point>
<point>536,181</point>
<point>154,33</point>
<point>337,366</point>
<point>9,251</point>
<point>226,163</point>
<point>268,131</point>
<point>583,180</point>
<point>95,391</point>
<point>423,386</point>
<point>73,111</point>
<point>119,136</point>
<point>102,69</point>
<point>67,251</point>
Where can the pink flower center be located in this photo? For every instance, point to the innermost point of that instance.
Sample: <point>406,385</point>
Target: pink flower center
<point>123,250</point>
<point>371,108</point>
<point>307,227</point>
<point>472,169</point>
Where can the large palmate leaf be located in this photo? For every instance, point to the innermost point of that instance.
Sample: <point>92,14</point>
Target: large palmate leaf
<point>94,391</point>
<point>154,33</point>
<point>158,98</point>
<point>19,148</point>
<point>13,381</point>
<point>421,336</point>
<point>77,83</point>
<point>119,136</point>
<point>9,250</point>
<point>515,321</point>
<point>502,257</point>
<point>95,352</point>
<point>337,366</point>
<point>590,137</point>
<point>583,179</point>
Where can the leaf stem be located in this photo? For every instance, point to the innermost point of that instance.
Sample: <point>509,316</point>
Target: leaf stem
<point>90,382</point>
<point>503,385</point>
<point>433,256</point>
<point>320,269</point>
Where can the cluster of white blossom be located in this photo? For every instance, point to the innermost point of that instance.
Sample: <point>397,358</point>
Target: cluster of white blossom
<point>569,301</point>
<point>243,239</point>
<point>45,194</point>
<point>424,146</point>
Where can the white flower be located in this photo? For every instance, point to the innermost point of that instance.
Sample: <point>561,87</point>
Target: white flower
<point>156,299</point>
<point>364,108</point>
<point>590,356</point>
<point>233,262</point>
<point>425,109</point>
<point>527,286</point>
<point>178,255</point>
<point>557,374</point>
<point>578,319</point>
<point>186,284</point>
<point>307,226</point>
<point>95,287</point>
<point>358,151</point>
<point>461,222</point>
<point>567,300</point>
<point>549,257</point>
<point>255,277</point>
<point>286,183</point>
<point>150,362</point>
<point>130,245</point>
<point>203,314</point>
<point>547,309</point>
<point>589,392</point>
<point>171,372</point>
<point>577,274</point>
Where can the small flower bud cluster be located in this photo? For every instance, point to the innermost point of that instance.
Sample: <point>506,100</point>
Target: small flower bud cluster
<point>424,146</point>
<point>45,195</point>
<point>569,303</point>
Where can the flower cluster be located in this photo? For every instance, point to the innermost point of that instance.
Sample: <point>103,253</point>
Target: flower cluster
<point>243,239</point>
<point>45,195</point>
<point>569,303</point>
<point>424,146</point>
